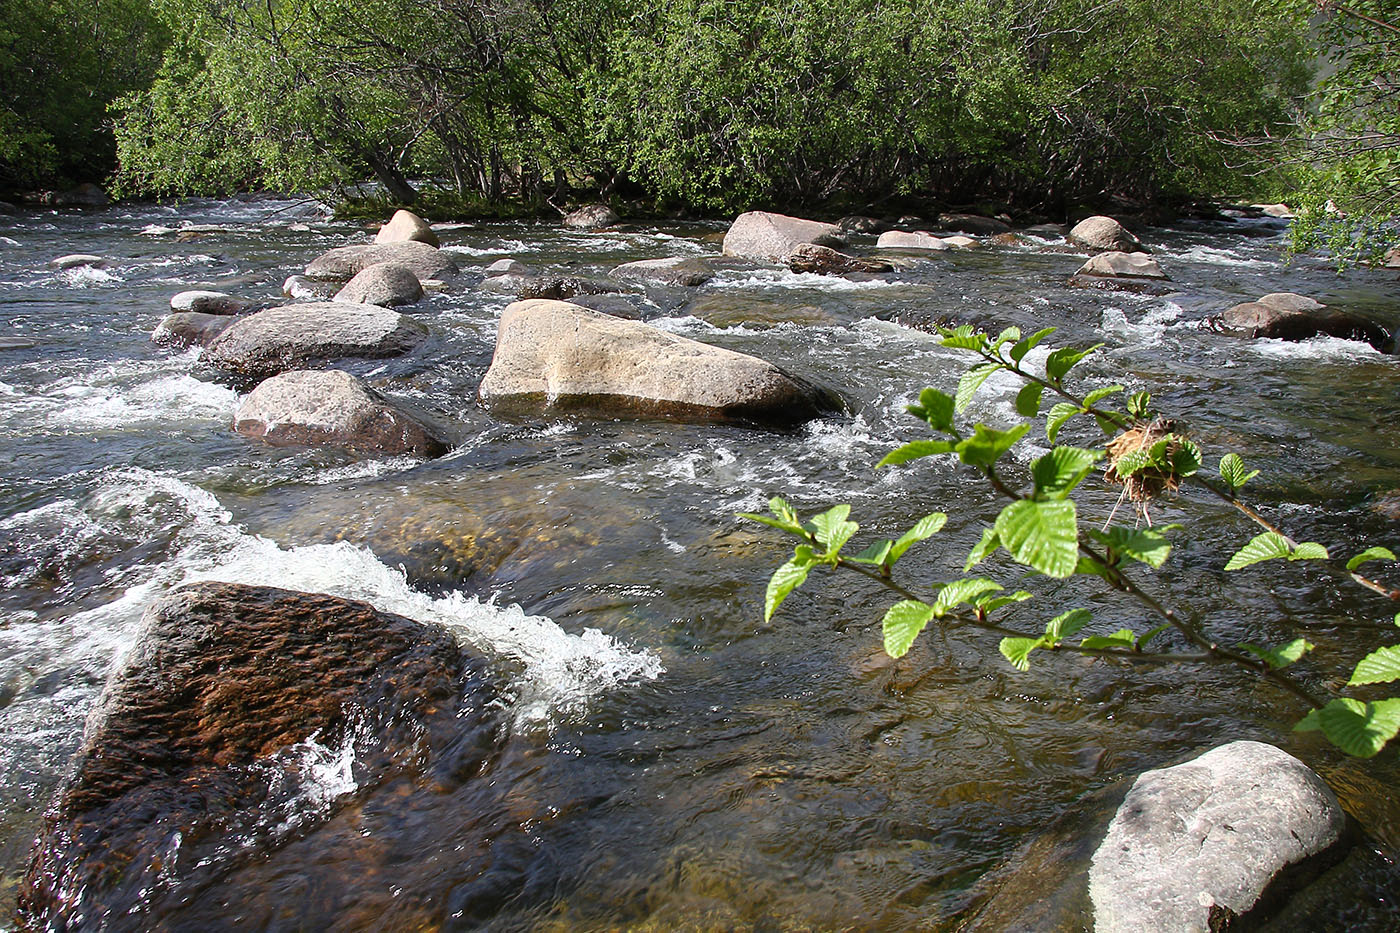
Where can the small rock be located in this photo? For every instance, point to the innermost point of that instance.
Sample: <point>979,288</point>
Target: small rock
<point>972,223</point>
<point>1281,211</point>
<point>1287,316</point>
<point>204,302</point>
<point>591,217</point>
<point>77,260</point>
<point>17,343</point>
<point>763,235</point>
<point>311,408</point>
<point>678,271</point>
<point>279,339</point>
<point>1122,265</point>
<point>915,239</point>
<point>387,284</point>
<point>189,328</point>
<point>1392,259</point>
<point>1104,234</point>
<point>823,260</point>
<point>506,267</point>
<point>563,287</point>
<point>343,264</point>
<point>961,242</point>
<point>1048,230</point>
<point>630,307</point>
<point>304,289</point>
<point>404,227</point>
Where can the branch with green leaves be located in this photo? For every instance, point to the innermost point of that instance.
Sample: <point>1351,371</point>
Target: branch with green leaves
<point>1039,528</point>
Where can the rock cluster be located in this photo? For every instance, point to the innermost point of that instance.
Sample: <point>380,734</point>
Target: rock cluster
<point>1287,316</point>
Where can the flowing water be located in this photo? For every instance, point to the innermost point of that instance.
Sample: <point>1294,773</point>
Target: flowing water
<point>672,763</point>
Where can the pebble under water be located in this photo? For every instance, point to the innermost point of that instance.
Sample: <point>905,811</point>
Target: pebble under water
<point>669,762</point>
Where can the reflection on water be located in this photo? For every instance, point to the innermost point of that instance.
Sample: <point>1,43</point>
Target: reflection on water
<point>672,761</point>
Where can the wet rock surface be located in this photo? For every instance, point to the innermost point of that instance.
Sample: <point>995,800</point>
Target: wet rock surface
<point>679,271</point>
<point>387,284</point>
<point>190,328</point>
<point>1121,265</point>
<point>292,336</point>
<point>591,217</point>
<point>406,226</point>
<point>345,262</point>
<point>823,260</point>
<point>201,738</point>
<point>1288,316</point>
<point>207,302</point>
<point>767,236</point>
<point>1104,234</point>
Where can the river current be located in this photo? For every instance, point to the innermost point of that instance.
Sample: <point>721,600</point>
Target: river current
<point>674,763</point>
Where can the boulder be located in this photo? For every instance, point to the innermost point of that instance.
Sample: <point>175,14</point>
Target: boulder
<point>1287,316</point>
<point>823,260</point>
<point>387,284</point>
<point>1104,234</point>
<point>304,289</point>
<point>562,287</point>
<point>290,337</point>
<point>1281,211</point>
<point>632,307</point>
<point>591,217</point>
<point>343,264</point>
<point>761,235</point>
<point>1122,265</point>
<point>202,302</point>
<point>860,224</point>
<point>405,227</point>
<point>77,260</point>
<point>311,408</point>
<point>973,223</point>
<point>190,328</point>
<point>85,195</point>
<point>915,239</point>
<point>17,343</point>
<point>204,745</point>
<point>1392,259</point>
<point>678,271</point>
<point>957,241</point>
<point>506,267</point>
<point>1193,846</point>
<point>557,354</point>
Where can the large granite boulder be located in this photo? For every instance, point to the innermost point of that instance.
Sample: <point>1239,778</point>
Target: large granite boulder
<point>823,260</point>
<point>344,263</point>
<point>678,271</point>
<point>201,755</point>
<point>766,236</point>
<point>190,328</point>
<point>591,217</point>
<point>1104,234</point>
<point>313,408</point>
<point>387,284</point>
<point>1288,316</point>
<point>207,302</point>
<point>404,227</point>
<point>557,354</point>
<point>290,337</point>
<point>1196,844</point>
<point>911,239</point>
<point>1122,265</point>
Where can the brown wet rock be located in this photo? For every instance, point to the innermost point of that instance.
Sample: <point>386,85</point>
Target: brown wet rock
<point>189,328</point>
<point>189,753</point>
<point>1289,316</point>
<point>563,287</point>
<point>343,264</point>
<point>680,271</point>
<point>766,236</point>
<point>823,260</point>
<point>406,226</point>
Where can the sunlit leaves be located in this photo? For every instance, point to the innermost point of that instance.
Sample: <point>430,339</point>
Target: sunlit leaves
<point>936,408</point>
<point>915,450</point>
<point>987,445</point>
<point>1266,546</point>
<point>1281,656</point>
<point>1057,473</point>
<point>1381,666</point>
<point>924,528</point>
<point>903,623</point>
<point>1145,545</point>
<point>1101,393</point>
<point>1371,553</point>
<point>963,591</point>
<point>984,548</point>
<point>1061,361</point>
<point>1019,351</point>
<point>1065,625</point>
<point>1357,728</point>
<point>785,579</point>
<point>1139,405</point>
<point>1043,535</point>
<point>832,529</point>
<point>1123,639</point>
<point>971,381</point>
<point>1018,651</point>
<point>1060,412</point>
<point>1232,471</point>
<point>1028,400</point>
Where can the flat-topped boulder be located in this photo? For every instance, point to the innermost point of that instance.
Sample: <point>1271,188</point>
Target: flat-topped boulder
<point>202,737</point>
<point>1104,234</point>
<point>682,271</point>
<point>911,239</point>
<point>387,284</point>
<point>768,236</point>
<point>404,227</point>
<point>344,263</point>
<point>77,261</point>
<point>311,408</point>
<point>208,302</point>
<point>555,354</point>
<point>1122,265</point>
<point>293,336</point>
<point>190,328</point>
<point>591,217</point>
<point>823,260</point>
<point>1289,316</point>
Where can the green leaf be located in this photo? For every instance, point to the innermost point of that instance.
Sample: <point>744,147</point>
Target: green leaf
<point>1359,729</point>
<point>1232,471</point>
<point>1266,546</point>
<point>1061,361</point>
<point>986,445</point>
<point>785,579</point>
<point>1100,394</point>
<point>961,591</point>
<point>1019,351</point>
<point>1187,458</point>
<point>1064,625</point>
<point>1123,638</point>
<point>1371,553</point>
<point>1152,633</point>
<point>964,337</point>
<point>1059,414</point>
<point>1028,400</point>
<point>987,603</point>
<point>1283,655</point>
<point>926,527</point>
<point>785,512</point>
<point>990,542</point>
<point>1006,336</point>
<point>1090,568</point>
<point>1043,535</point>
<point>1058,472</point>
<point>913,451</point>
<point>1309,550</point>
<point>874,554</point>
<point>1134,461</point>
<point>903,623</point>
<point>971,381</point>
<point>1139,405</point>
<point>1018,651</point>
<point>1145,545</point>
<point>832,529</point>
<point>1381,666</point>
<point>774,523</point>
<point>937,409</point>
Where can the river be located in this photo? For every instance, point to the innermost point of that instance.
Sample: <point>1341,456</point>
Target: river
<point>675,763</point>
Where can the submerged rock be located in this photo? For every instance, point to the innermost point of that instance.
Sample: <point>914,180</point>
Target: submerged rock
<point>190,328</point>
<point>1289,316</point>
<point>682,271</point>
<point>427,262</point>
<point>206,302</point>
<point>763,235</point>
<point>313,408</point>
<point>17,343</point>
<point>551,353</point>
<point>823,260</point>
<point>1104,234</point>
<point>290,337</point>
<point>404,227</point>
<point>192,761</point>
<point>387,284</point>
<point>506,267</point>
<point>591,217</point>
<point>562,287</point>
<point>78,260</point>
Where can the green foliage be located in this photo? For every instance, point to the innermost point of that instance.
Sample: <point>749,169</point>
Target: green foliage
<point>1232,471</point>
<point>1357,728</point>
<point>1270,546</point>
